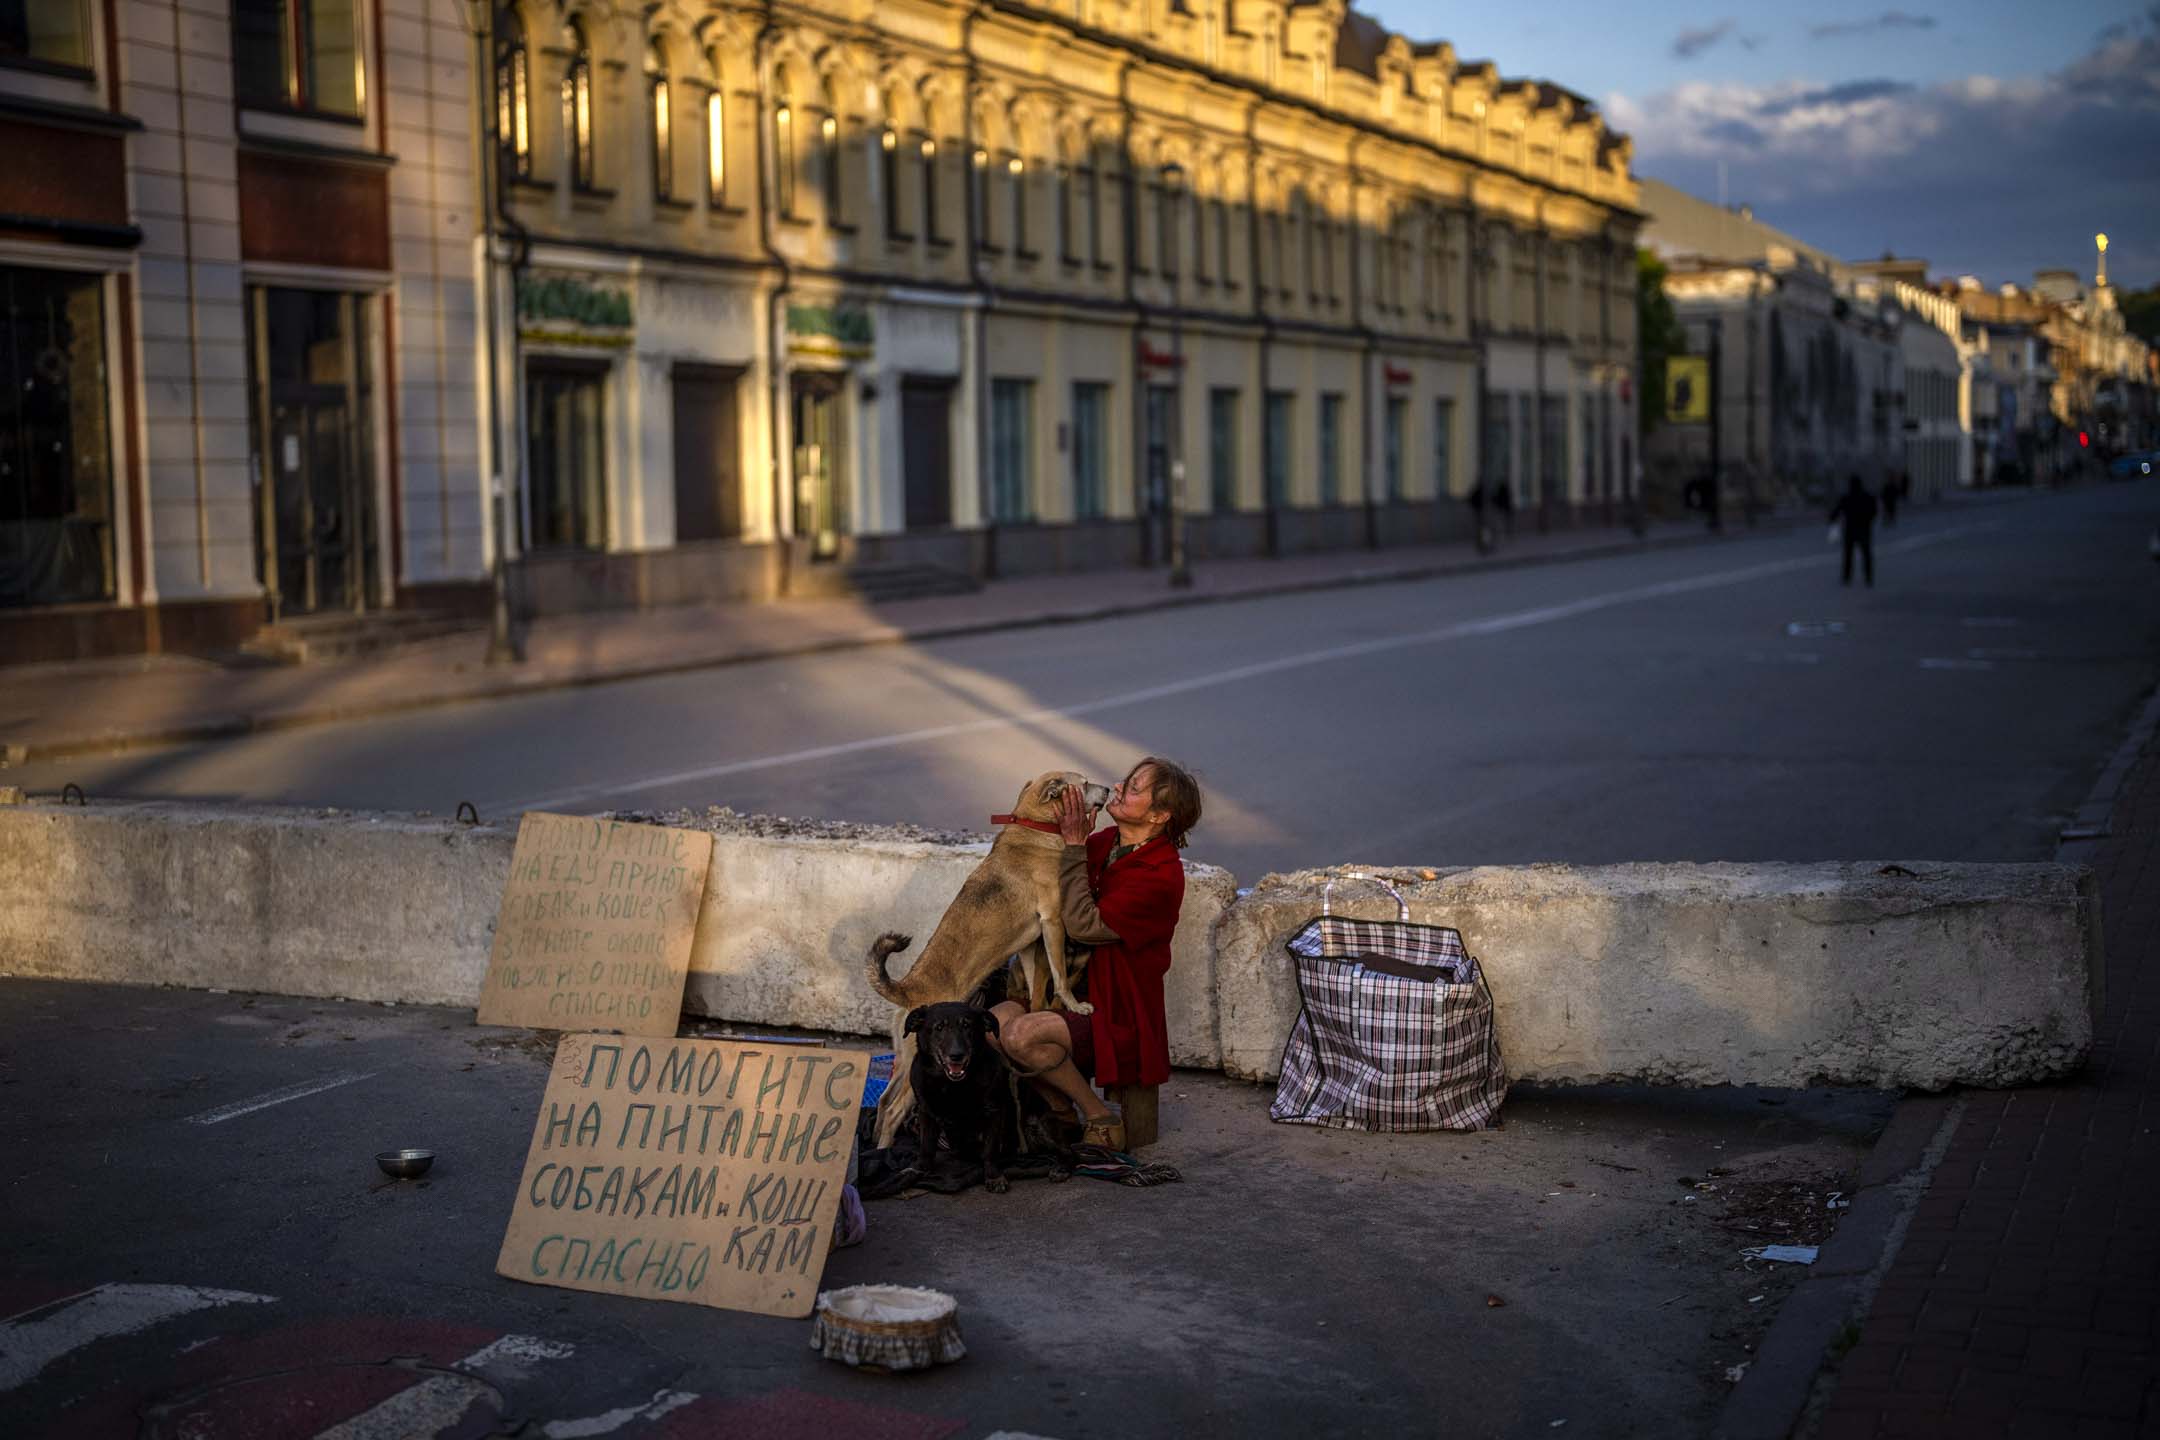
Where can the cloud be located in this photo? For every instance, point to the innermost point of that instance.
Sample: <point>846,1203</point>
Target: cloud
<point>1996,175</point>
<point>1888,20</point>
<point>1690,43</point>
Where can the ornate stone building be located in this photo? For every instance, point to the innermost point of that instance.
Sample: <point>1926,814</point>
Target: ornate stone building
<point>317,307</point>
<point>1003,288</point>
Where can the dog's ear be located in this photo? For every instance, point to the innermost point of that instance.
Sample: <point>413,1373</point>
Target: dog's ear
<point>915,1019</point>
<point>1052,789</point>
<point>989,1021</point>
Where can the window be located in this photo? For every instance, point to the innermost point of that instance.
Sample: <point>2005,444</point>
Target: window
<point>513,96</point>
<point>1167,197</point>
<point>784,151</point>
<point>1012,410</point>
<point>1443,448</point>
<point>1094,210</point>
<point>829,160</point>
<point>1067,251</point>
<point>1222,242</point>
<point>55,455</point>
<point>1306,246</point>
<point>1202,212</point>
<point>928,151</point>
<point>1278,448</point>
<point>1499,442</point>
<point>292,54</point>
<point>53,32</point>
<point>1552,473</point>
<point>1391,438</point>
<point>1222,450</point>
<point>577,107</point>
<point>1332,480</point>
<point>979,198</point>
<point>716,168</point>
<point>889,173</point>
<point>663,130</point>
<point>1016,177</point>
<point>1090,443</point>
<point>567,479</point>
<point>1526,478</point>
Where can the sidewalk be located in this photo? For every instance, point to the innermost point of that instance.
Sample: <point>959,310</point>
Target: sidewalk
<point>106,705</point>
<point>2025,1298</point>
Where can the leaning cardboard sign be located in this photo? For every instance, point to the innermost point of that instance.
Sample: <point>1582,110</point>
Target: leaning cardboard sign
<point>706,1171</point>
<point>595,927</point>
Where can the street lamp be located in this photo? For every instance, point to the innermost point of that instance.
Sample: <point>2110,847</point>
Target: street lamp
<point>504,646</point>
<point>1173,175</point>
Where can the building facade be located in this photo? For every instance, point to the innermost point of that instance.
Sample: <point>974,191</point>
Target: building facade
<point>236,261</point>
<point>321,307</point>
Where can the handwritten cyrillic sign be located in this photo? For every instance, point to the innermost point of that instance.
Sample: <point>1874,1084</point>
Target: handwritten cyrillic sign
<point>705,1171</point>
<point>595,927</point>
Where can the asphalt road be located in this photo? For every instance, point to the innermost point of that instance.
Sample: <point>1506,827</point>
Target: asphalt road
<point>198,1245</point>
<point>1721,702</point>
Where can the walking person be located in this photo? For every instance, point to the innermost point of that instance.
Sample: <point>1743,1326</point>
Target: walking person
<point>1856,508</point>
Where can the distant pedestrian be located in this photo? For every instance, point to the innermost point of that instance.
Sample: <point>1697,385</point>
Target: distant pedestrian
<point>1856,509</point>
<point>1481,531</point>
<point>1893,490</point>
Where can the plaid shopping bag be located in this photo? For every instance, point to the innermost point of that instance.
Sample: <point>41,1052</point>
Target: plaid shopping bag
<point>1395,1031</point>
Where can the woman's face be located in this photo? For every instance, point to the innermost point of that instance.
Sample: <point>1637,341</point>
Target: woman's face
<point>1130,803</point>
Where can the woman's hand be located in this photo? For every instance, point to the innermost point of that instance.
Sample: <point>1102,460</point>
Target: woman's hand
<point>1072,816</point>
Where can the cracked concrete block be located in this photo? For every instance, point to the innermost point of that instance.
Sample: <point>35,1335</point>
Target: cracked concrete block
<point>1726,974</point>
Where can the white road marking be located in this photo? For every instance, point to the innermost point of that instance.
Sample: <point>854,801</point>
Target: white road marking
<point>1989,622</point>
<point>1987,654</point>
<point>608,1422</point>
<point>441,1400</point>
<point>277,1097</point>
<point>1458,630</point>
<point>34,1339</point>
<point>1952,662</point>
<point>1784,657</point>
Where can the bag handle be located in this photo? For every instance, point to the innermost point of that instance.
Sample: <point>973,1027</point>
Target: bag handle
<point>1402,906</point>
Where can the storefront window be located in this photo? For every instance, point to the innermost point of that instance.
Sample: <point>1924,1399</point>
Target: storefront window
<point>565,413</point>
<point>1222,450</point>
<point>1333,483</point>
<point>51,32</point>
<point>1443,446</point>
<point>298,55</point>
<point>56,545</point>
<point>1012,406</point>
<point>1091,409</point>
<point>1278,448</point>
<point>1391,446</point>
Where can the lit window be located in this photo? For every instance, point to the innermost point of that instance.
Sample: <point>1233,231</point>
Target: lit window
<point>577,107</point>
<point>716,133</point>
<point>288,54</point>
<point>513,96</point>
<point>56,32</point>
<point>784,152</point>
<point>663,123</point>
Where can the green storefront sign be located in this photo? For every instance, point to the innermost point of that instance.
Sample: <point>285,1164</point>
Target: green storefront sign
<point>560,297</point>
<point>843,327</point>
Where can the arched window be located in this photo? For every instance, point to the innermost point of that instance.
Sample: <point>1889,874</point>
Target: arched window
<point>513,96</point>
<point>716,171</point>
<point>1169,193</point>
<point>932,222</point>
<point>1016,176</point>
<point>784,148</point>
<point>1066,230</point>
<point>663,121</point>
<point>829,158</point>
<point>578,107</point>
<point>889,168</point>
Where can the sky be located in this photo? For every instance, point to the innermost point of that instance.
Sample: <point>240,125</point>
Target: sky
<point>1991,138</point>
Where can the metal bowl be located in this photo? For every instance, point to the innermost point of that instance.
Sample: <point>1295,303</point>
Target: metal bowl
<point>405,1164</point>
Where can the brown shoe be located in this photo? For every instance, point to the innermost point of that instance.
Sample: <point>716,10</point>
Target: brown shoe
<point>1107,1131</point>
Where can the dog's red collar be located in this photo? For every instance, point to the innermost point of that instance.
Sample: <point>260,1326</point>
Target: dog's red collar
<point>1043,825</point>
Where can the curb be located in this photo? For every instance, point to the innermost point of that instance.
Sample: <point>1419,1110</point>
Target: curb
<point>232,727</point>
<point>1793,1369</point>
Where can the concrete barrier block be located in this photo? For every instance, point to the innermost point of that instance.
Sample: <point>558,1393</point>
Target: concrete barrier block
<point>1726,974</point>
<point>290,901</point>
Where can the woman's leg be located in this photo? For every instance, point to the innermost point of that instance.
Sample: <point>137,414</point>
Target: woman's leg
<point>1038,1044</point>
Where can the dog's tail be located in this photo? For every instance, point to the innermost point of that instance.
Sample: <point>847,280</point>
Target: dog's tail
<point>881,949</point>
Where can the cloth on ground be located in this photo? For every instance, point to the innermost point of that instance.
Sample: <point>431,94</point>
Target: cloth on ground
<point>897,1169</point>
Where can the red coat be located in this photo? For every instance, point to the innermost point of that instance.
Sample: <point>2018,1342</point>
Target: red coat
<point>1139,898</point>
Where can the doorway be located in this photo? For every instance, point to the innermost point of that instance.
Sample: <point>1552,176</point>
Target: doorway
<point>313,395</point>
<point>708,455</point>
<point>926,460</point>
<point>820,468</point>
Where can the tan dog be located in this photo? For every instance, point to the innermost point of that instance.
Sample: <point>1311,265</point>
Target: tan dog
<point>1009,905</point>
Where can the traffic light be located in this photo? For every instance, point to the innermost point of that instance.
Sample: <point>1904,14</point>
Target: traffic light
<point>2084,440</point>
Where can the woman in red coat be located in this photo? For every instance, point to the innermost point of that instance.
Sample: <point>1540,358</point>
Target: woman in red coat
<point>1122,889</point>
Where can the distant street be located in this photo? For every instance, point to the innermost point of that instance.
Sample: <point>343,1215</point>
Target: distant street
<point>1720,702</point>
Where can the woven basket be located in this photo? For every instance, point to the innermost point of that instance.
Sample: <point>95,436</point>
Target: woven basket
<point>887,1327</point>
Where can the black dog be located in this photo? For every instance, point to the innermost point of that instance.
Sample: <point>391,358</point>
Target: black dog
<point>961,1087</point>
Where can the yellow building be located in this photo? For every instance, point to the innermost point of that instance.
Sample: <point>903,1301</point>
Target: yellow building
<point>1000,289</point>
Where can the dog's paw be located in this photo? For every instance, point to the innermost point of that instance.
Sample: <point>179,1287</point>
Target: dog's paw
<point>1081,1007</point>
<point>997,1184</point>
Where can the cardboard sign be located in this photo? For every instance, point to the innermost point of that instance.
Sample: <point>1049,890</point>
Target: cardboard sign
<point>707,1171</point>
<point>595,927</point>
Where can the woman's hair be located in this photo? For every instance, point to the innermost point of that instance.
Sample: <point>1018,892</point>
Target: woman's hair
<point>1174,790</point>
